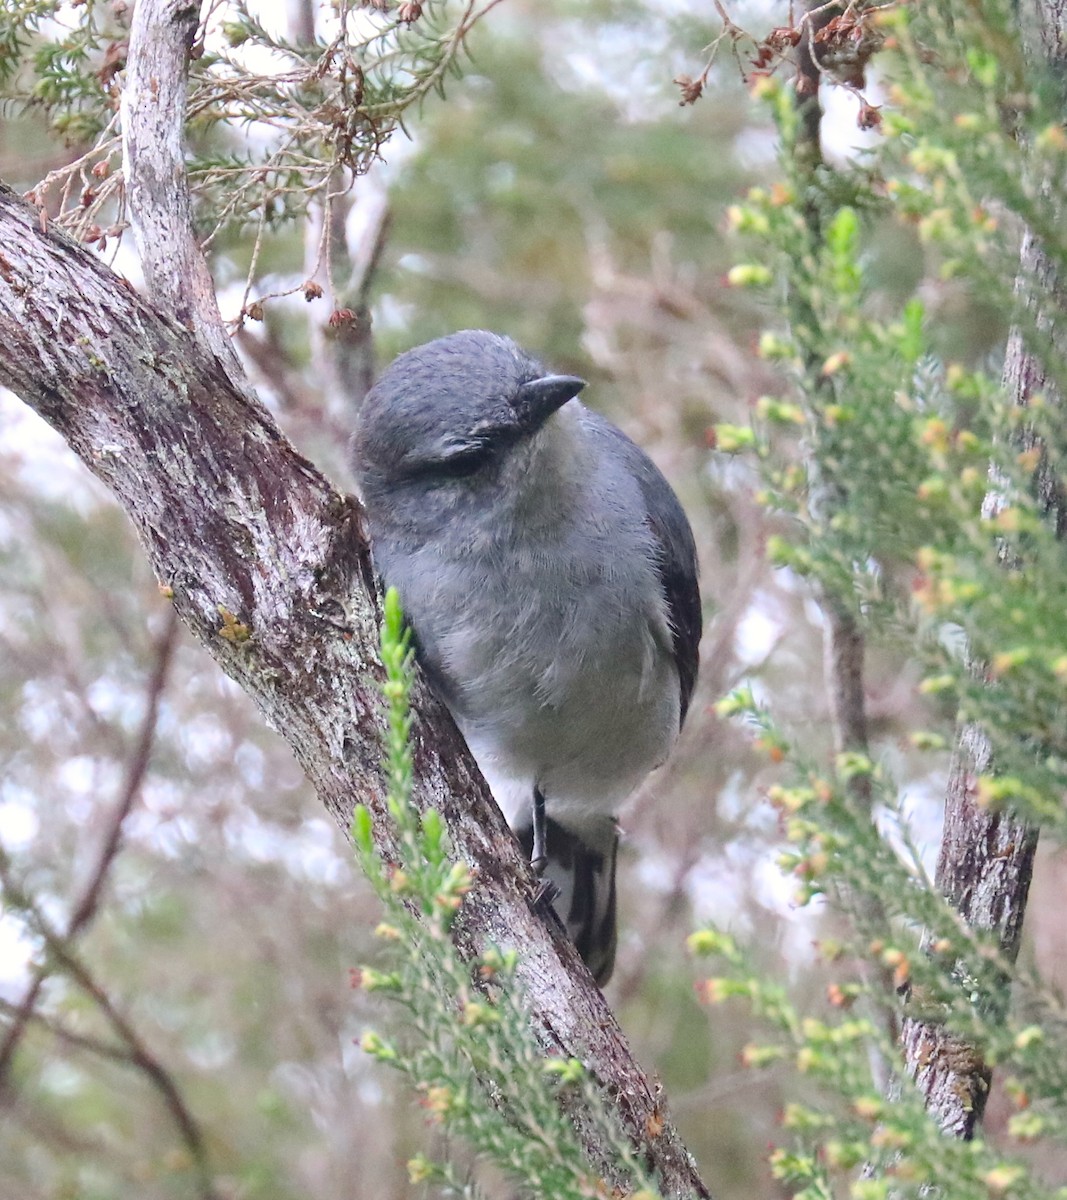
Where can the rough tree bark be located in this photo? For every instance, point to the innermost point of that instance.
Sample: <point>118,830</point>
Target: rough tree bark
<point>266,561</point>
<point>986,859</point>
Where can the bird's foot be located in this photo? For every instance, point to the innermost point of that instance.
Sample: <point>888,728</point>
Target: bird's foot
<point>547,892</point>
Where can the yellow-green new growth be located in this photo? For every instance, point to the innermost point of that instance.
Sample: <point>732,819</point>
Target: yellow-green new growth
<point>398,659</point>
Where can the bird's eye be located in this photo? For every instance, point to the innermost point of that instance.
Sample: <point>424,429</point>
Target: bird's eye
<point>463,462</point>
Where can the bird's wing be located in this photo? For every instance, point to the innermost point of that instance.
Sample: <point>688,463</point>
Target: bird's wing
<point>676,556</point>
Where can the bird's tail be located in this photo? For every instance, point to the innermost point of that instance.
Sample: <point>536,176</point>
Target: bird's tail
<point>582,868</point>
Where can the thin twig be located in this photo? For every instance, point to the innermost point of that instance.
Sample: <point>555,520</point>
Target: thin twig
<point>86,908</point>
<point>82,1041</point>
<point>60,948</point>
<point>844,641</point>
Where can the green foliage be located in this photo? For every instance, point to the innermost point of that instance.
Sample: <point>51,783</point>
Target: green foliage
<point>846,1122</point>
<point>51,59</point>
<point>891,500</point>
<point>320,120</point>
<point>465,1043</point>
<point>961,982</point>
<point>917,501</point>
<point>274,124</point>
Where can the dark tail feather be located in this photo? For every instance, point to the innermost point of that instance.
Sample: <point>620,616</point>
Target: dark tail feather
<point>585,877</point>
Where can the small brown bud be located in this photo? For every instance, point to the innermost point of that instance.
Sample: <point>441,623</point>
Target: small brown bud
<point>341,317</point>
<point>311,290</point>
<point>838,996</point>
<point>783,37</point>
<point>114,61</point>
<point>254,311</point>
<point>409,12</point>
<point>692,89</point>
<point>869,116</point>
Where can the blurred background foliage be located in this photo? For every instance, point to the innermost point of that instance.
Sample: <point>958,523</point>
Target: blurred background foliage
<point>558,193</point>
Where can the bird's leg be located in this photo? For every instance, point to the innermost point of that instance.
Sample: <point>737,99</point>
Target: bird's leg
<point>539,854</point>
<point>547,891</point>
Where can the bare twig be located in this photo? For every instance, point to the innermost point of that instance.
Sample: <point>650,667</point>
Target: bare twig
<point>136,770</point>
<point>61,950</point>
<point>844,638</point>
<point>345,350</point>
<point>86,907</point>
<point>81,1041</point>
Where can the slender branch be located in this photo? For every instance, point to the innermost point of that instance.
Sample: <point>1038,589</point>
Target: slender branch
<point>59,948</point>
<point>81,1041</point>
<point>136,770</point>
<point>345,350</point>
<point>845,643</point>
<point>844,638</point>
<point>157,186</point>
<point>86,907</point>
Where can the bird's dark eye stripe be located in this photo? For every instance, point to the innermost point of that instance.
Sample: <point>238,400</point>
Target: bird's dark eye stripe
<point>460,463</point>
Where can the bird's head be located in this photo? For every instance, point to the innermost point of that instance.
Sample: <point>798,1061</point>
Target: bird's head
<point>451,414</point>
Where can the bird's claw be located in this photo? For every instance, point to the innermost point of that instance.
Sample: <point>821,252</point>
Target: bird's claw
<point>546,893</point>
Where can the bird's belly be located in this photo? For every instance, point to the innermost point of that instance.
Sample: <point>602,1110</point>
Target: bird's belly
<point>562,679</point>
<point>609,721</point>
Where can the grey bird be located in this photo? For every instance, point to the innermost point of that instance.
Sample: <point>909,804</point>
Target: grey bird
<point>549,575</point>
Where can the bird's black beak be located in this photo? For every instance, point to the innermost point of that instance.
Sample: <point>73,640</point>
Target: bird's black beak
<point>537,400</point>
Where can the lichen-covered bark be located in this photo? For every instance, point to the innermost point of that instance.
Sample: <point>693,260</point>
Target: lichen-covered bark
<point>984,870</point>
<point>986,860</point>
<point>157,191</point>
<point>269,569</point>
